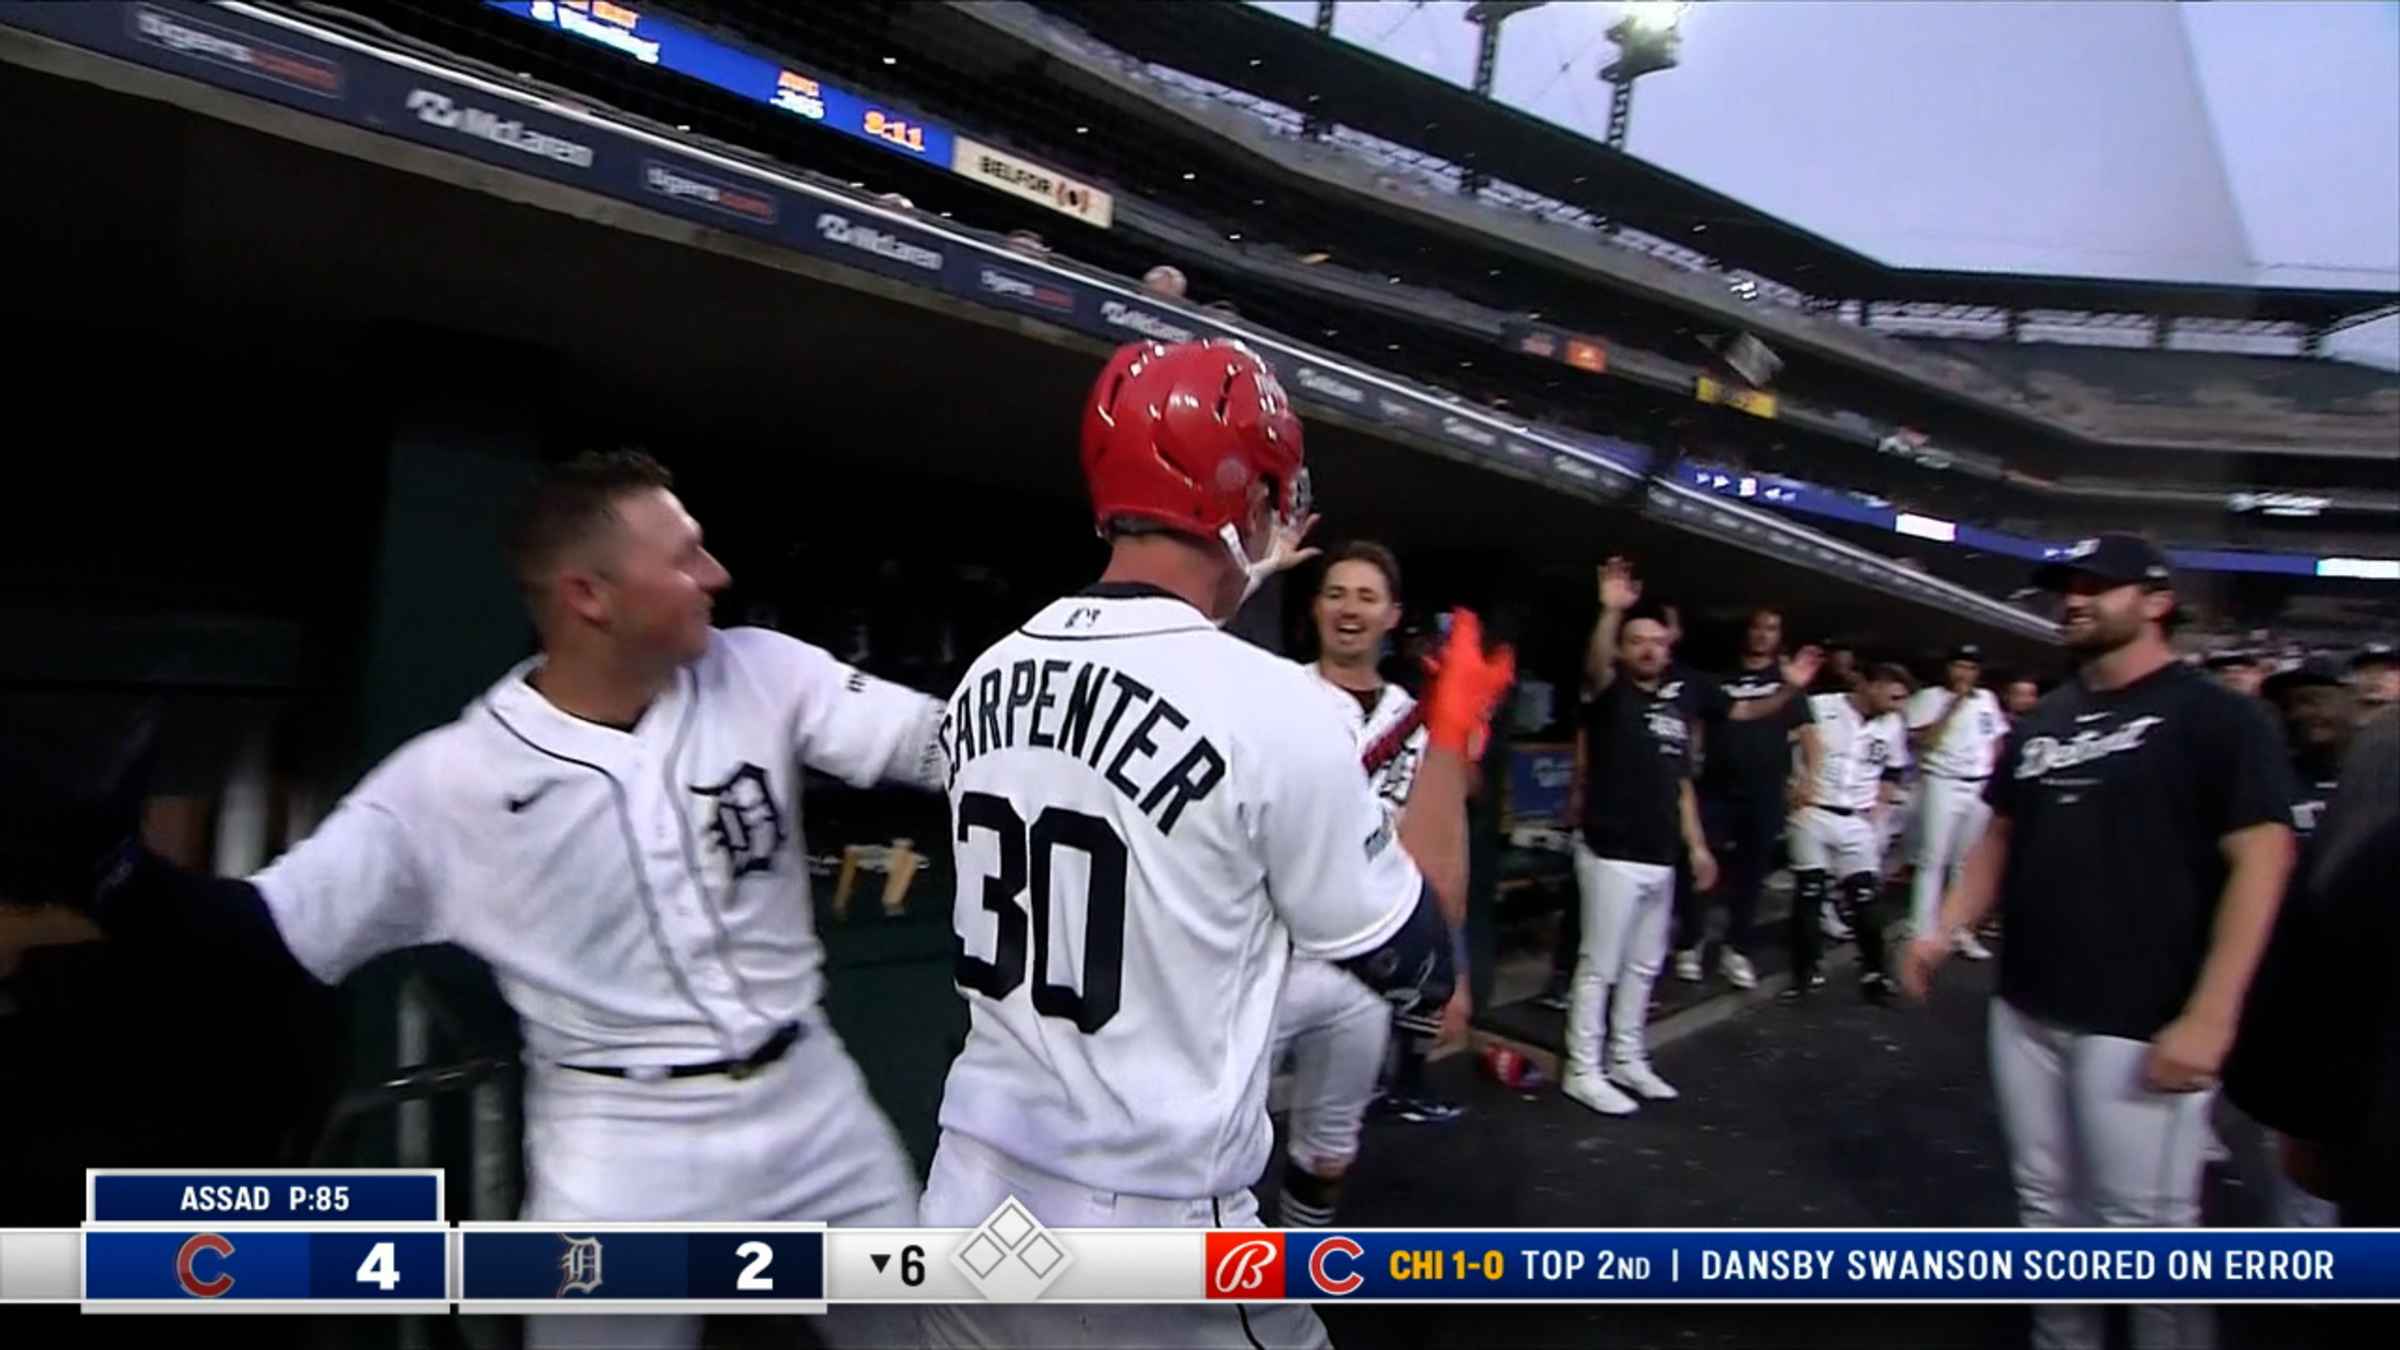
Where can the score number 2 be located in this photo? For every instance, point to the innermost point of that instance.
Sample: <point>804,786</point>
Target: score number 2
<point>753,1279</point>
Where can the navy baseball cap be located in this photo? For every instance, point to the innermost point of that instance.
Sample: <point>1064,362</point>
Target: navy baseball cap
<point>2376,654</point>
<point>2118,559</point>
<point>1968,651</point>
<point>2316,670</point>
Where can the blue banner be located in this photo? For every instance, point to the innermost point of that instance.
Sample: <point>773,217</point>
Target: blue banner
<point>646,36</point>
<point>266,1197</point>
<point>1848,1266</point>
<point>241,1266</point>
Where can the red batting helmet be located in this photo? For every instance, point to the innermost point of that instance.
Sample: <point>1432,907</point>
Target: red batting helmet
<point>1177,434</point>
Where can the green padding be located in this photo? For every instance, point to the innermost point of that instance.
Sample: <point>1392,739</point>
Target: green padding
<point>889,994</point>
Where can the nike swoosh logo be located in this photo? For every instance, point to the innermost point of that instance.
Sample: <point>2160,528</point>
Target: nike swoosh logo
<point>516,804</point>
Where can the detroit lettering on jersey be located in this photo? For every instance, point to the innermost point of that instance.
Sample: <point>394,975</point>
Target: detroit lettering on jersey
<point>2043,755</point>
<point>2119,803</point>
<point>1142,744</point>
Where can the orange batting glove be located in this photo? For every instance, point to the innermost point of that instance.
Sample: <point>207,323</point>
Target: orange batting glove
<point>1468,684</point>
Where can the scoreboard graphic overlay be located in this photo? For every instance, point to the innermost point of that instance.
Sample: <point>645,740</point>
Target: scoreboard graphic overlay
<point>379,1241</point>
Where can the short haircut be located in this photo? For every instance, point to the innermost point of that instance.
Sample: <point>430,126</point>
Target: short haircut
<point>1894,672</point>
<point>570,503</point>
<point>1653,610</point>
<point>1374,555</point>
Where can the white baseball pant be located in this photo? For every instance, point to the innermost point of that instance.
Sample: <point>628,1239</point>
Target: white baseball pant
<point>1628,908</point>
<point>1827,841</point>
<point>2091,1146</point>
<point>1336,1030</point>
<point>1951,816</point>
<point>970,1179</point>
<point>799,1140</point>
<point>1898,832</point>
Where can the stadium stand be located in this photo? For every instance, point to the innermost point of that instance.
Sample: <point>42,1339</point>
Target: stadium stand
<point>2184,397</point>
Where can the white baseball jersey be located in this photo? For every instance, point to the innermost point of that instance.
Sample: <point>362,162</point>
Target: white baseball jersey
<point>642,896</point>
<point>1973,737</point>
<point>1393,778</point>
<point>1856,752</point>
<point>1152,818</point>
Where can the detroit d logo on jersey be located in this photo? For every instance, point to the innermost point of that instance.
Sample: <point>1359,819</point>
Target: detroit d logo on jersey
<point>747,827</point>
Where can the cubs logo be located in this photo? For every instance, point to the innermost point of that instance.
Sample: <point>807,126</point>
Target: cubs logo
<point>1320,1266</point>
<point>746,826</point>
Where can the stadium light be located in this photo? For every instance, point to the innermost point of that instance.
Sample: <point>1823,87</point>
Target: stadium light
<point>1647,42</point>
<point>1656,15</point>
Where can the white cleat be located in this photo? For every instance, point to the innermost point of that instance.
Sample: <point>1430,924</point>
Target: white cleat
<point>1643,1081</point>
<point>1737,970</point>
<point>1687,966</point>
<point>1966,945</point>
<point>1599,1094</point>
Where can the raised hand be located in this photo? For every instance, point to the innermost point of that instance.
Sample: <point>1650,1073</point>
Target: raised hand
<point>1468,684</point>
<point>1286,552</point>
<point>1801,667</point>
<point>1619,589</point>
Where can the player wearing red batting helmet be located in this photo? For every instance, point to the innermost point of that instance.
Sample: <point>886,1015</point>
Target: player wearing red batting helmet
<point>1194,439</point>
<point>1154,820</point>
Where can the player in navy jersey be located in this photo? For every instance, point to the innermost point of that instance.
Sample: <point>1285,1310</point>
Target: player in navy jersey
<point>1748,724</point>
<point>2290,997</point>
<point>2139,845</point>
<point>1638,815</point>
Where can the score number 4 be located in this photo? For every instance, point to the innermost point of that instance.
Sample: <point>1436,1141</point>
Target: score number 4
<point>381,1268</point>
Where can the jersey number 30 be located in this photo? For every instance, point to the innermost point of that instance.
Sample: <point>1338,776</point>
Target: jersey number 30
<point>1025,856</point>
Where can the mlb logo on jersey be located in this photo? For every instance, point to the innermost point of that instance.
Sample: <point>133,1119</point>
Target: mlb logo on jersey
<point>1245,1264</point>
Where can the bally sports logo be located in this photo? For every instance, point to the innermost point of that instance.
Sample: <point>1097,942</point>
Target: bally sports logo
<point>1245,1265</point>
<point>1250,1265</point>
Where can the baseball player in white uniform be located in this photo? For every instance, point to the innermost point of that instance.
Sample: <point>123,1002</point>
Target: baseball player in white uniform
<point>1333,1026</point>
<point>1953,732</point>
<point>1836,833</point>
<point>1153,818</point>
<point>614,827</point>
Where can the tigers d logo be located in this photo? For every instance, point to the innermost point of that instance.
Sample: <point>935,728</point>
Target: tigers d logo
<point>748,827</point>
<point>1245,1264</point>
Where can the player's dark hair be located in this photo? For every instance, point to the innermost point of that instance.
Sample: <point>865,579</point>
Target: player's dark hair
<point>569,503</point>
<point>1653,610</point>
<point>1374,555</point>
<point>1894,672</point>
<point>1757,610</point>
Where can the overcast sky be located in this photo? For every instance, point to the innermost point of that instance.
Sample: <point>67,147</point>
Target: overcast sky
<point>2227,141</point>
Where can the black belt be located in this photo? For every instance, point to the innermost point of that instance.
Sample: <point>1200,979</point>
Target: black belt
<point>1837,810</point>
<point>1958,777</point>
<point>777,1045</point>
